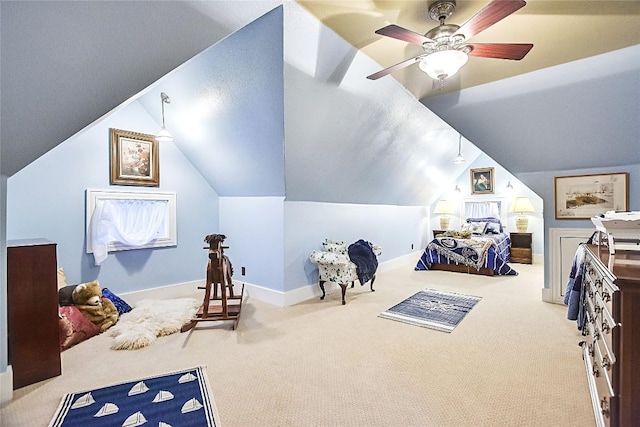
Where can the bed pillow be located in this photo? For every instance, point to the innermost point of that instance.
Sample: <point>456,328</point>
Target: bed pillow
<point>478,227</point>
<point>74,327</point>
<point>121,305</point>
<point>493,228</point>
<point>487,219</point>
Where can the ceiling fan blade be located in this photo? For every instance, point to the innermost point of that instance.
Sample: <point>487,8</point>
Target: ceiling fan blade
<point>403,34</point>
<point>514,51</point>
<point>398,66</point>
<point>489,15</point>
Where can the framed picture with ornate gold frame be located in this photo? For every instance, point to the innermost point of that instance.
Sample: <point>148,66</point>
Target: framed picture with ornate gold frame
<point>585,196</point>
<point>482,181</point>
<point>134,159</point>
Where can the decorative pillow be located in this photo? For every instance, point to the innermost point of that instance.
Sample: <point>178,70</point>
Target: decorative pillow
<point>478,227</point>
<point>464,234</point>
<point>336,242</point>
<point>493,228</point>
<point>466,227</point>
<point>121,305</point>
<point>74,327</point>
<point>335,248</point>
<point>487,219</point>
<point>62,279</point>
<point>65,295</point>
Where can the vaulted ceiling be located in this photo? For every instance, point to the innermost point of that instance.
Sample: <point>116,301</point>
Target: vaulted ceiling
<point>66,64</point>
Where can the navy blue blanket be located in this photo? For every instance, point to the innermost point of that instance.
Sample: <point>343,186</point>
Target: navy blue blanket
<point>365,260</point>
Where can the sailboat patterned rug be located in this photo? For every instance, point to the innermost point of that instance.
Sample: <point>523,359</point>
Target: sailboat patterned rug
<point>176,399</point>
<point>433,309</point>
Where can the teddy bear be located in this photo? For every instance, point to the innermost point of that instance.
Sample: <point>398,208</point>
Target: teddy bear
<point>89,300</point>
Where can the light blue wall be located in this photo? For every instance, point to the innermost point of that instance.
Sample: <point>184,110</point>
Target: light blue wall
<point>394,228</point>
<point>254,229</point>
<point>47,199</point>
<point>543,184</point>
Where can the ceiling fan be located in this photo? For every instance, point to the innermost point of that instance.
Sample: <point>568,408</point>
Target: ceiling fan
<point>445,46</point>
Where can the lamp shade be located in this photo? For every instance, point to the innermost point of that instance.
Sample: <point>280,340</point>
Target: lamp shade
<point>522,205</point>
<point>443,207</point>
<point>443,64</point>
<point>164,135</point>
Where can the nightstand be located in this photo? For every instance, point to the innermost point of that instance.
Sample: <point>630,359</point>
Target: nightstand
<point>521,248</point>
<point>436,233</point>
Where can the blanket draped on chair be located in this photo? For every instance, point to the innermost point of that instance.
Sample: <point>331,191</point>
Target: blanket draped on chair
<point>361,254</point>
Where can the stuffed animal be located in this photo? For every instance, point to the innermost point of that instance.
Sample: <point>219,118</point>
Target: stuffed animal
<point>100,310</point>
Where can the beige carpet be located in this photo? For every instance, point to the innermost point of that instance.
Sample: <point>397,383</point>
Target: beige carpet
<point>512,361</point>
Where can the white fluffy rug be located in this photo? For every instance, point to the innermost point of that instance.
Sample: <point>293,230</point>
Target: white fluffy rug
<point>150,319</point>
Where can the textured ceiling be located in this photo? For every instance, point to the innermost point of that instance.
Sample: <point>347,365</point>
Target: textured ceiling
<point>561,31</point>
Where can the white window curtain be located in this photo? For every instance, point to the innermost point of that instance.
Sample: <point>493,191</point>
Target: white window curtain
<point>131,222</point>
<point>482,209</point>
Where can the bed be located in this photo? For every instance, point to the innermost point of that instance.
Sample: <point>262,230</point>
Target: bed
<point>481,246</point>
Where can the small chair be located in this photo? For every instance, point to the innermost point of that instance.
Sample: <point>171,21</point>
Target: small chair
<point>335,266</point>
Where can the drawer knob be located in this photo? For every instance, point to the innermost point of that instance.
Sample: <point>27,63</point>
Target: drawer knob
<point>606,363</point>
<point>604,406</point>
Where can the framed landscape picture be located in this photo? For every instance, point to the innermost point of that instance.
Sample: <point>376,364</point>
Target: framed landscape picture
<point>482,181</point>
<point>134,159</point>
<point>585,196</point>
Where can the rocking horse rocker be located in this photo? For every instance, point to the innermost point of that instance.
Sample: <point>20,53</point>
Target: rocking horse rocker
<point>223,305</point>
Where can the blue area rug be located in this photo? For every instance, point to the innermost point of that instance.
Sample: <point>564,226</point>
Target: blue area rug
<point>176,399</point>
<point>433,309</point>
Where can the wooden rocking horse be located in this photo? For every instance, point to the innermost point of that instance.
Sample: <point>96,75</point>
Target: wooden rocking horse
<point>223,304</point>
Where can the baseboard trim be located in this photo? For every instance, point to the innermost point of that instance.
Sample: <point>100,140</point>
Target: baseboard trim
<point>270,296</point>
<point>395,262</point>
<point>179,290</point>
<point>547,295</point>
<point>6,385</point>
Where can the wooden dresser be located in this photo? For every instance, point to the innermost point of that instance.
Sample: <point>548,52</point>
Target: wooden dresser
<point>611,350</point>
<point>32,311</point>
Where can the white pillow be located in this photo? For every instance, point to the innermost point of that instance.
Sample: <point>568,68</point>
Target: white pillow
<point>478,227</point>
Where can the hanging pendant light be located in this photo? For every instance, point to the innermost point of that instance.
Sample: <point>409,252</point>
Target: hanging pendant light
<point>163,134</point>
<point>459,159</point>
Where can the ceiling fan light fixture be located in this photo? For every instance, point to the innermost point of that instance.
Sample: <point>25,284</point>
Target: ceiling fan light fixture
<point>443,64</point>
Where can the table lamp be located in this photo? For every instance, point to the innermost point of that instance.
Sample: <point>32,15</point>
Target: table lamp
<point>522,206</point>
<point>443,207</point>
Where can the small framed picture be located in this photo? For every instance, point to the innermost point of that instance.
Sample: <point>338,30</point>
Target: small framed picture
<point>134,159</point>
<point>482,181</point>
<point>585,196</point>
